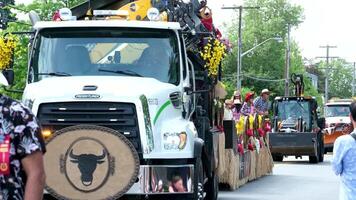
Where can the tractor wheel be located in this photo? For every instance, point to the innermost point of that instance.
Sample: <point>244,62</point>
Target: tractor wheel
<point>277,158</point>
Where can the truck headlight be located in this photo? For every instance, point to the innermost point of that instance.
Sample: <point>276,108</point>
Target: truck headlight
<point>174,141</point>
<point>46,133</point>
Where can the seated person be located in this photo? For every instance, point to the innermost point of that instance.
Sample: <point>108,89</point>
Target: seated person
<point>176,185</point>
<point>77,61</point>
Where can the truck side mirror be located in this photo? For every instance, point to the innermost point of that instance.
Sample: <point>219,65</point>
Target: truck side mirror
<point>9,76</point>
<point>321,123</point>
<point>3,81</point>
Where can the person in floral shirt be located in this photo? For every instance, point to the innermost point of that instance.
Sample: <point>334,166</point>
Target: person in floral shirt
<point>21,148</point>
<point>248,107</point>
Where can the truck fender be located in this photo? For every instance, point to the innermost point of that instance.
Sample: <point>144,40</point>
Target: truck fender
<point>198,148</point>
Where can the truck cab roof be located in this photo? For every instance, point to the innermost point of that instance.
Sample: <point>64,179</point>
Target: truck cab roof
<point>294,98</point>
<point>339,102</point>
<point>108,23</point>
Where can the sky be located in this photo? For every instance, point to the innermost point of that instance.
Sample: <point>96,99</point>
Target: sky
<point>330,22</point>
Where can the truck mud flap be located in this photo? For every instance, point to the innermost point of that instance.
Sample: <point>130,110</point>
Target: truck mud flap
<point>293,143</point>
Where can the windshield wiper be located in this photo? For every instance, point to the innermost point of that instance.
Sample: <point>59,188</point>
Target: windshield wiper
<point>54,74</point>
<point>125,72</point>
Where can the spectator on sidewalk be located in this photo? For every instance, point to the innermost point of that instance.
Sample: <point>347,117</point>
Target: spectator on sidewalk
<point>344,159</point>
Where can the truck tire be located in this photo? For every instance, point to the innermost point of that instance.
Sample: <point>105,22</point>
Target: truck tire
<point>277,158</point>
<point>321,150</point>
<point>313,159</point>
<point>212,188</point>
<point>199,192</point>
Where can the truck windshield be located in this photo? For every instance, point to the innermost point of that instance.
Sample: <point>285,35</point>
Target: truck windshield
<point>293,109</point>
<point>106,52</point>
<point>337,111</point>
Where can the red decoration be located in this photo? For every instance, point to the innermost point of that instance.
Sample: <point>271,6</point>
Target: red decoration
<point>261,132</point>
<point>267,127</point>
<point>249,132</point>
<point>240,149</point>
<point>250,147</point>
<point>208,23</point>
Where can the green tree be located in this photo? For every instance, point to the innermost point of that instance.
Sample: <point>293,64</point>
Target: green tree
<point>340,78</point>
<point>45,9</point>
<point>5,13</point>
<point>266,61</point>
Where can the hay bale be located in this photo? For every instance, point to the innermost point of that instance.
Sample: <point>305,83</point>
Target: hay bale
<point>222,162</point>
<point>253,166</point>
<point>231,173</point>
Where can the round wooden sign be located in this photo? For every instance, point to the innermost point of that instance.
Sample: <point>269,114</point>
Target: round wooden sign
<point>90,162</point>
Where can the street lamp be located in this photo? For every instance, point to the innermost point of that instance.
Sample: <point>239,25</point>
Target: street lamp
<point>278,39</point>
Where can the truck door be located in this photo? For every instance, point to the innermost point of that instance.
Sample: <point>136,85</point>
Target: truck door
<point>188,98</point>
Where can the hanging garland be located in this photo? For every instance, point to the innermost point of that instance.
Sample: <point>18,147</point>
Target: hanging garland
<point>213,53</point>
<point>7,47</point>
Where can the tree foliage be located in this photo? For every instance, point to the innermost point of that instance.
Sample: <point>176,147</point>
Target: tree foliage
<point>268,60</point>
<point>5,13</point>
<point>45,9</point>
<point>340,78</point>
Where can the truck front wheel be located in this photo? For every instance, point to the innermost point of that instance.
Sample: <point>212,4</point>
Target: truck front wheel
<point>199,191</point>
<point>212,188</point>
<point>321,150</point>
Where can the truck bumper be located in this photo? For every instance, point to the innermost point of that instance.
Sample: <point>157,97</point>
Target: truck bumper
<point>150,177</point>
<point>154,180</point>
<point>297,144</point>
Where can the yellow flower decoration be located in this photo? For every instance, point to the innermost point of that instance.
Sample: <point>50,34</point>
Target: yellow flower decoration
<point>260,120</point>
<point>212,54</point>
<point>251,121</point>
<point>240,125</point>
<point>7,47</point>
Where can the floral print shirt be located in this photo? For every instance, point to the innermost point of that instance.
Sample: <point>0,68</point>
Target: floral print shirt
<point>247,109</point>
<point>25,138</point>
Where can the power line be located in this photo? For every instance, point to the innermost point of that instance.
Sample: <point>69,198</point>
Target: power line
<point>263,79</point>
<point>231,77</point>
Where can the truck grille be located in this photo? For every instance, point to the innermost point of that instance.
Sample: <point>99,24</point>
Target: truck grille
<point>118,116</point>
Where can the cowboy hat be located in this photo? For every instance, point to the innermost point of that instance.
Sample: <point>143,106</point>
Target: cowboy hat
<point>265,91</point>
<point>248,96</point>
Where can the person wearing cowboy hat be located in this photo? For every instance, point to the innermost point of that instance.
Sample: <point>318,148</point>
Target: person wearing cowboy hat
<point>261,102</point>
<point>248,107</point>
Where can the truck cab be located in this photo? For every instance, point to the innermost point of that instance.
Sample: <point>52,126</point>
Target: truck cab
<point>337,118</point>
<point>133,77</point>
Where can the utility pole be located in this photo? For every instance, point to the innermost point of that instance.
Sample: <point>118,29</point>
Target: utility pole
<point>327,70</point>
<point>239,45</point>
<point>286,90</point>
<point>353,80</point>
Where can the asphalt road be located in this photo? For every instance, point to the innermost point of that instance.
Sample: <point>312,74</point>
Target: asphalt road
<point>292,179</point>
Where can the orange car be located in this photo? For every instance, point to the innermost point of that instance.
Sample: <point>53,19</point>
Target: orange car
<point>337,121</point>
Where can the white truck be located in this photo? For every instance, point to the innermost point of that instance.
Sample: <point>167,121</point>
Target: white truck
<point>134,77</point>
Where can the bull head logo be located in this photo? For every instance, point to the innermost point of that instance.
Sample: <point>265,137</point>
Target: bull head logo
<point>87,164</point>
